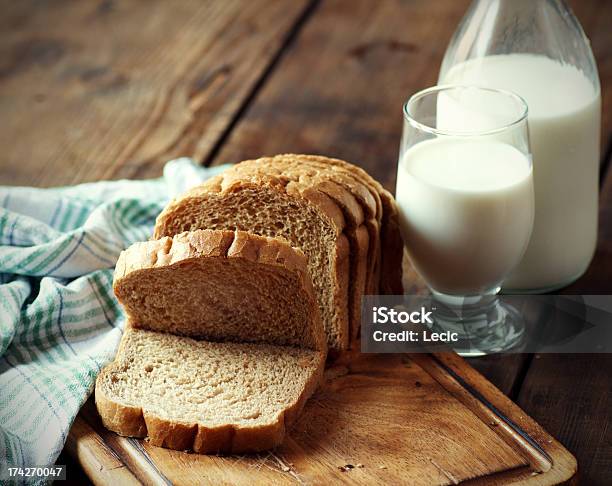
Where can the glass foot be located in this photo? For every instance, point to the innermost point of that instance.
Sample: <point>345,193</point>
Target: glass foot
<point>483,324</point>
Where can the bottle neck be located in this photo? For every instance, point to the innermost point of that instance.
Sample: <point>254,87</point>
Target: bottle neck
<point>538,27</point>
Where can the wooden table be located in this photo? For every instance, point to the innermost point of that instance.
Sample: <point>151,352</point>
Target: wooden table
<point>109,89</point>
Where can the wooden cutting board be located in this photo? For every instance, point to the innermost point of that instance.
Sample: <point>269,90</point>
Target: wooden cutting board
<point>378,419</point>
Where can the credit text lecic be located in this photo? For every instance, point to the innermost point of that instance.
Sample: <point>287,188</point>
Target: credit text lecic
<point>385,315</point>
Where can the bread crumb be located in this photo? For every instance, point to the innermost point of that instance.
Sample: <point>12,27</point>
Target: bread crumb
<point>382,467</point>
<point>336,372</point>
<point>360,465</point>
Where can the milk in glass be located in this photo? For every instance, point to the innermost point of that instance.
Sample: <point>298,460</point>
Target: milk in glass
<point>466,211</point>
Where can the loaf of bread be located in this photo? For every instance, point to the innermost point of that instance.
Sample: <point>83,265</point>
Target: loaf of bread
<point>392,245</point>
<point>348,194</point>
<point>252,196</point>
<point>259,353</point>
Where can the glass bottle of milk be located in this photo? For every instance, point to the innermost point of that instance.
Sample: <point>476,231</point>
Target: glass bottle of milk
<point>537,49</point>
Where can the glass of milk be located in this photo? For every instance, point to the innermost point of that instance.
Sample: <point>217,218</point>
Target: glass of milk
<point>466,199</point>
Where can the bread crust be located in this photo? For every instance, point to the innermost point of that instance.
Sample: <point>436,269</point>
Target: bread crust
<point>205,243</point>
<point>393,248</point>
<point>137,422</point>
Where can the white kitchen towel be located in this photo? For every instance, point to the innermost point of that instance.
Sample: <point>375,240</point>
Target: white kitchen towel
<point>59,320</point>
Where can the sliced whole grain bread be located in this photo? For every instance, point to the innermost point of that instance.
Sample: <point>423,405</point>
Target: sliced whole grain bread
<point>372,204</point>
<point>365,190</point>
<point>214,285</point>
<point>276,206</point>
<point>205,396</point>
<point>381,213</point>
<point>213,395</point>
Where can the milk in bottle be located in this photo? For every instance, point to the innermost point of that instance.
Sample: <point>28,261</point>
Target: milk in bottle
<point>564,119</point>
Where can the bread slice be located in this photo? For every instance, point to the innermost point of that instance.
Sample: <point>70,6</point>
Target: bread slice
<point>205,396</point>
<point>276,206</point>
<point>213,395</point>
<point>312,171</point>
<point>220,286</point>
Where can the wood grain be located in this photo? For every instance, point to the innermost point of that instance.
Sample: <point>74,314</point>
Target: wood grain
<point>377,419</point>
<point>99,462</point>
<point>98,90</point>
<point>571,396</point>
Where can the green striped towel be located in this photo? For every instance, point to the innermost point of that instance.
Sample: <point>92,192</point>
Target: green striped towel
<point>59,320</point>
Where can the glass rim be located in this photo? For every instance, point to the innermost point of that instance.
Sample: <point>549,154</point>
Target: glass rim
<point>410,118</point>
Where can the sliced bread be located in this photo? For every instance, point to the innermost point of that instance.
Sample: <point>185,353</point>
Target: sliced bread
<point>276,206</point>
<point>204,396</point>
<point>213,395</point>
<point>215,285</point>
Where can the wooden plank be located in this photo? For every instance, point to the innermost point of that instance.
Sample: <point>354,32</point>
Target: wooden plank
<point>96,90</point>
<point>571,397</point>
<point>378,418</point>
<point>483,397</point>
